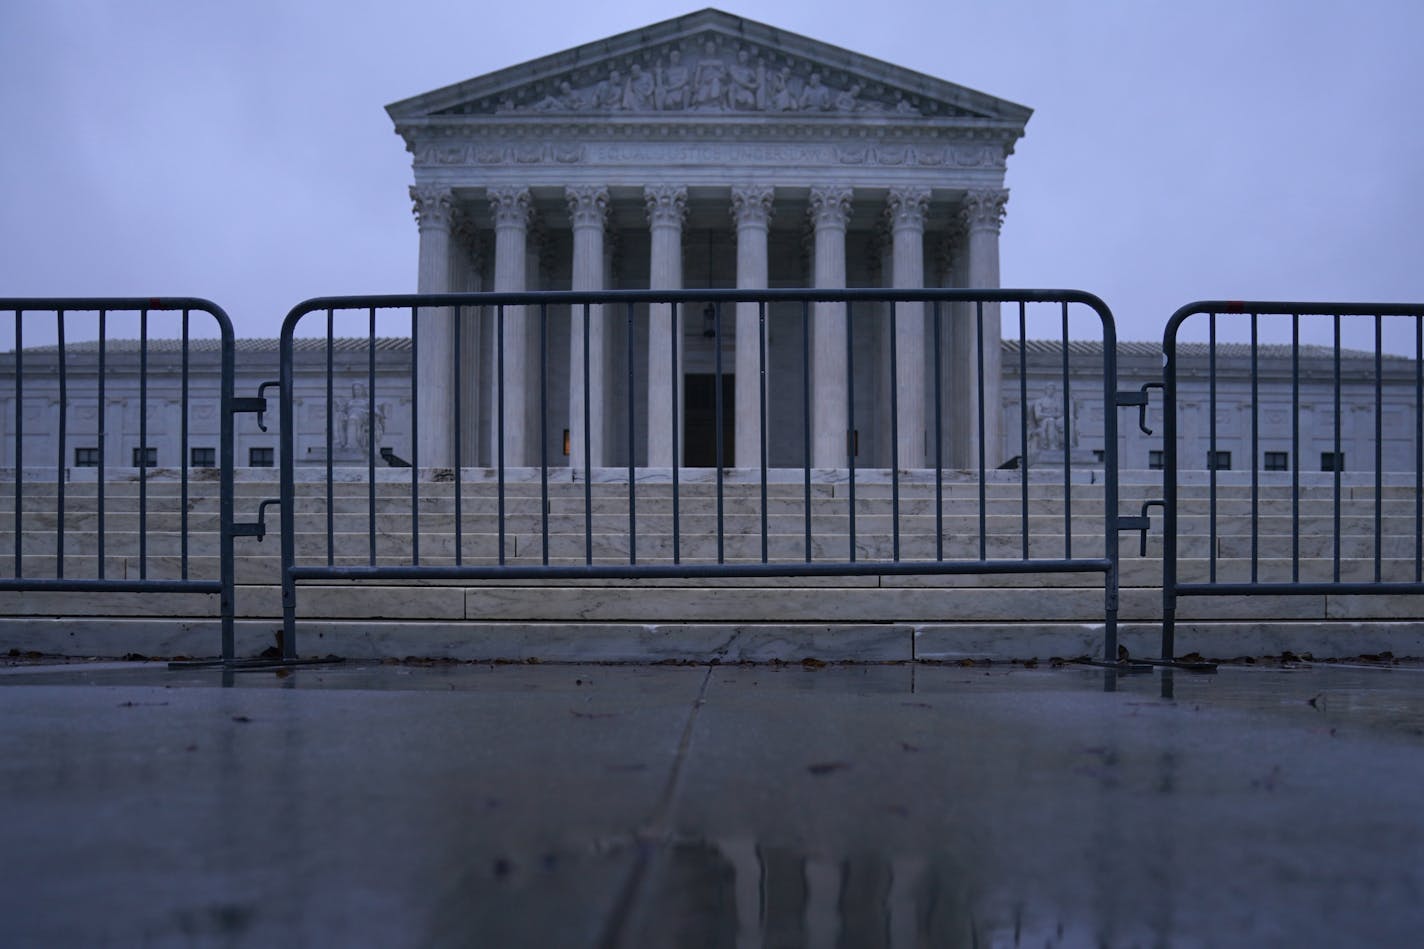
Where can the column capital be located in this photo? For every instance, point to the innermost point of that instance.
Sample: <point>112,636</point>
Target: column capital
<point>751,205</point>
<point>830,206</point>
<point>588,205</point>
<point>667,205</point>
<point>984,210</point>
<point>511,206</point>
<point>907,207</point>
<point>432,205</point>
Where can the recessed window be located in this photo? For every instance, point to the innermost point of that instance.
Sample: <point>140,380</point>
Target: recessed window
<point>259,457</point>
<point>1332,461</point>
<point>203,457</point>
<point>1156,460</point>
<point>1278,461</point>
<point>86,457</point>
<point>1218,460</point>
<point>145,457</point>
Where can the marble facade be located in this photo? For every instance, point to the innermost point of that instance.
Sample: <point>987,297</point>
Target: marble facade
<point>707,151</point>
<point>1054,421</point>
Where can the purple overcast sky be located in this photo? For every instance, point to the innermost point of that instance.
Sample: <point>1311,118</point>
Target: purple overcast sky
<point>240,151</point>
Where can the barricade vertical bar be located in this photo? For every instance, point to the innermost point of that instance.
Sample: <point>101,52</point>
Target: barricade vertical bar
<point>59,468</point>
<point>103,433</point>
<point>676,378</point>
<point>1067,440</point>
<point>544,431</point>
<point>20,439</point>
<point>717,395</point>
<point>1110,489</point>
<point>1379,443</point>
<point>1023,428</point>
<point>895,439</point>
<point>632,448</point>
<point>850,419</point>
<point>499,439</point>
<point>330,439</point>
<point>587,443</point>
<point>1295,448</point>
<point>143,444</point>
<point>288,477</point>
<point>939,434</point>
<point>415,432</point>
<point>182,453</point>
<point>806,415</point>
<point>761,410</point>
<point>1338,463</point>
<point>1211,446</point>
<point>979,400</point>
<point>371,434</point>
<point>226,562</point>
<point>1419,449</point>
<point>1169,489</point>
<point>459,435</point>
<point>1255,447</point>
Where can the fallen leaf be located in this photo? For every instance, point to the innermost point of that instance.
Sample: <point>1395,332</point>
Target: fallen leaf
<point>827,767</point>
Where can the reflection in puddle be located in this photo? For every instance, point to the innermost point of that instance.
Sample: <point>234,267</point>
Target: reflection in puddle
<point>740,893</point>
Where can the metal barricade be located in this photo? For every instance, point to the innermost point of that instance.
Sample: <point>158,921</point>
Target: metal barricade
<point>609,337</point>
<point>1283,531</point>
<point>79,386</point>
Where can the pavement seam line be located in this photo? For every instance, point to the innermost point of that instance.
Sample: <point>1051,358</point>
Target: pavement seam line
<point>653,835</point>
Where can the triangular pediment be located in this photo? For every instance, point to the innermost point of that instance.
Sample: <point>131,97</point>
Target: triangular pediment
<point>709,64</point>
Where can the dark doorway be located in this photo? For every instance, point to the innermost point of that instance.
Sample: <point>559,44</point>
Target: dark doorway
<point>699,446</point>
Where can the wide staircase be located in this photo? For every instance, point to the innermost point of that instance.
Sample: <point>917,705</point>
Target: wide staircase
<point>870,618</point>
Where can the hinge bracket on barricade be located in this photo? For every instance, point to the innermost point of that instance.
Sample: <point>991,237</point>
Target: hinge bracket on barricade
<point>257,403</point>
<point>257,528</point>
<point>1140,522</point>
<point>1139,398</point>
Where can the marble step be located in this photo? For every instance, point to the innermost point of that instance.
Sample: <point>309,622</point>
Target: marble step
<point>681,641</point>
<point>786,604</point>
<point>261,564</point>
<point>699,521</point>
<point>440,547</point>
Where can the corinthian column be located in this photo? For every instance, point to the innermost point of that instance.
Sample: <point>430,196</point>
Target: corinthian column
<point>465,277</point>
<point>433,208</point>
<point>830,405</point>
<point>512,210</point>
<point>906,209</point>
<point>588,210</point>
<point>982,216</point>
<point>751,210</point>
<point>667,207</point>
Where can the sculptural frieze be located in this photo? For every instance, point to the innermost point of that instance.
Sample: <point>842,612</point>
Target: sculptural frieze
<point>712,75</point>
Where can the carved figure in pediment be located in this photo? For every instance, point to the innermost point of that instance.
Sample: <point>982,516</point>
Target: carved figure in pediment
<point>745,89</point>
<point>779,97</point>
<point>903,106</point>
<point>847,101</point>
<point>816,97</point>
<point>568,100</point>
<point>609,93</point>
<point>640,92</point>
<point>711,79</point>
<point>674,84</point>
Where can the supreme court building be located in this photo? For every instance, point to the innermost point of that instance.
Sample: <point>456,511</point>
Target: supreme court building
<point>707,151</point>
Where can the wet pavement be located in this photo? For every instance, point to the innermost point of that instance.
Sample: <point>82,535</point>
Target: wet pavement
<point>551,805</point>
